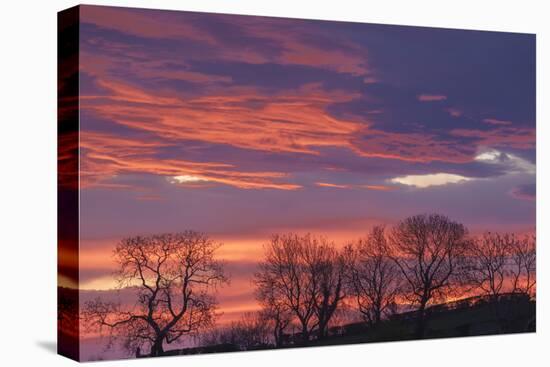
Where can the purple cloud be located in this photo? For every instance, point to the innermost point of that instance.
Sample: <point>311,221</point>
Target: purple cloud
<point>525,192</point>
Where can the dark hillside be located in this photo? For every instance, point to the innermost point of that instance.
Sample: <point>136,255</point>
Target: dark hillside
<point>510,313</point>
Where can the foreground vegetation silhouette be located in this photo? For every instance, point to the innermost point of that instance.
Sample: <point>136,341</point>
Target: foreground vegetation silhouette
<point>175,275</point>
<point>425,277</point>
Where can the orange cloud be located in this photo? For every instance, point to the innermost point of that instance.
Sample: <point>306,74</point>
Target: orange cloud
<point>295,122</point>
<point>245,117</point>
<point>343,186</point>
<point>104,156</point>
<point>291,122</point>
<point>379,187</point>
<point>326,184</point>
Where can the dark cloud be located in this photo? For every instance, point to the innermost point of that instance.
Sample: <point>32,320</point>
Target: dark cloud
<point>274,76</point>
<point>525,192</point>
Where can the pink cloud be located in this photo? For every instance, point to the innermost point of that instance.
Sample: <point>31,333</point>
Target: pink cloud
<point>288,35</point>
<point>409,147</point>
<point>510,137</point>
<point>431,97</point>
<point>497,122</point>
<point>454,112</point>
<point>293,122</point>
<point>104,156</point>
<point>525,192</point>
<point>288,122</point>
<point>336,186</point>
<point>380,187</point>
<point>139,24</point>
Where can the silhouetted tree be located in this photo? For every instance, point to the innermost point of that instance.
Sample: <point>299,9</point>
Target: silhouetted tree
<point>285,271</point>
<point>303,274</point>
<point>175,276</point>
<point>327,266</point>
<point>524,264</point>
<point>275,312</point>
<point>430,252</point>
<point>488,259</point>
<point>373,278</point>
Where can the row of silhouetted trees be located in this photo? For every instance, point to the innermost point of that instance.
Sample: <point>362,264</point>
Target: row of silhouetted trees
<point>304,282</point>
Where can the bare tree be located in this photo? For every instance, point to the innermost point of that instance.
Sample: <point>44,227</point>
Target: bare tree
<point>285,270</point>
<point>327,267</point>
<point>430,252</point>
<point>175,276</point>
<point>524,264</point>
<point>275,312</point>
<point>303,275</point>
<point>488,259</point>
<point>373,278</point>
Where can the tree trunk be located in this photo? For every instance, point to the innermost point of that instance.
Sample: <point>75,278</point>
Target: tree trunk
<point>421,323</point>
<point>157,349</point>
<point>305,334</point>
<point>278,337</point>
<point>322,330</point>
<point>377,317</point>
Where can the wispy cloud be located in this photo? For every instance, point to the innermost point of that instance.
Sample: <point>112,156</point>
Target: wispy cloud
<point>356,186</point>
<point>525,192</point>
<point>511,163</point>
<point>497,122</point>
<point>242,117</point>
<point>454,112</point>
<point>188,178</point>
<point>292,122</point>
<point>504,137</point>
<point>431,97</point>
<point>104,156</point>
<point>409,147</point>
<point>379,187</point>
<point>286,41</point>
<point>332,185</point>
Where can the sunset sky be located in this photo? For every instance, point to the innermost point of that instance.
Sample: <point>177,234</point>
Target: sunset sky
<point>242,127</point>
